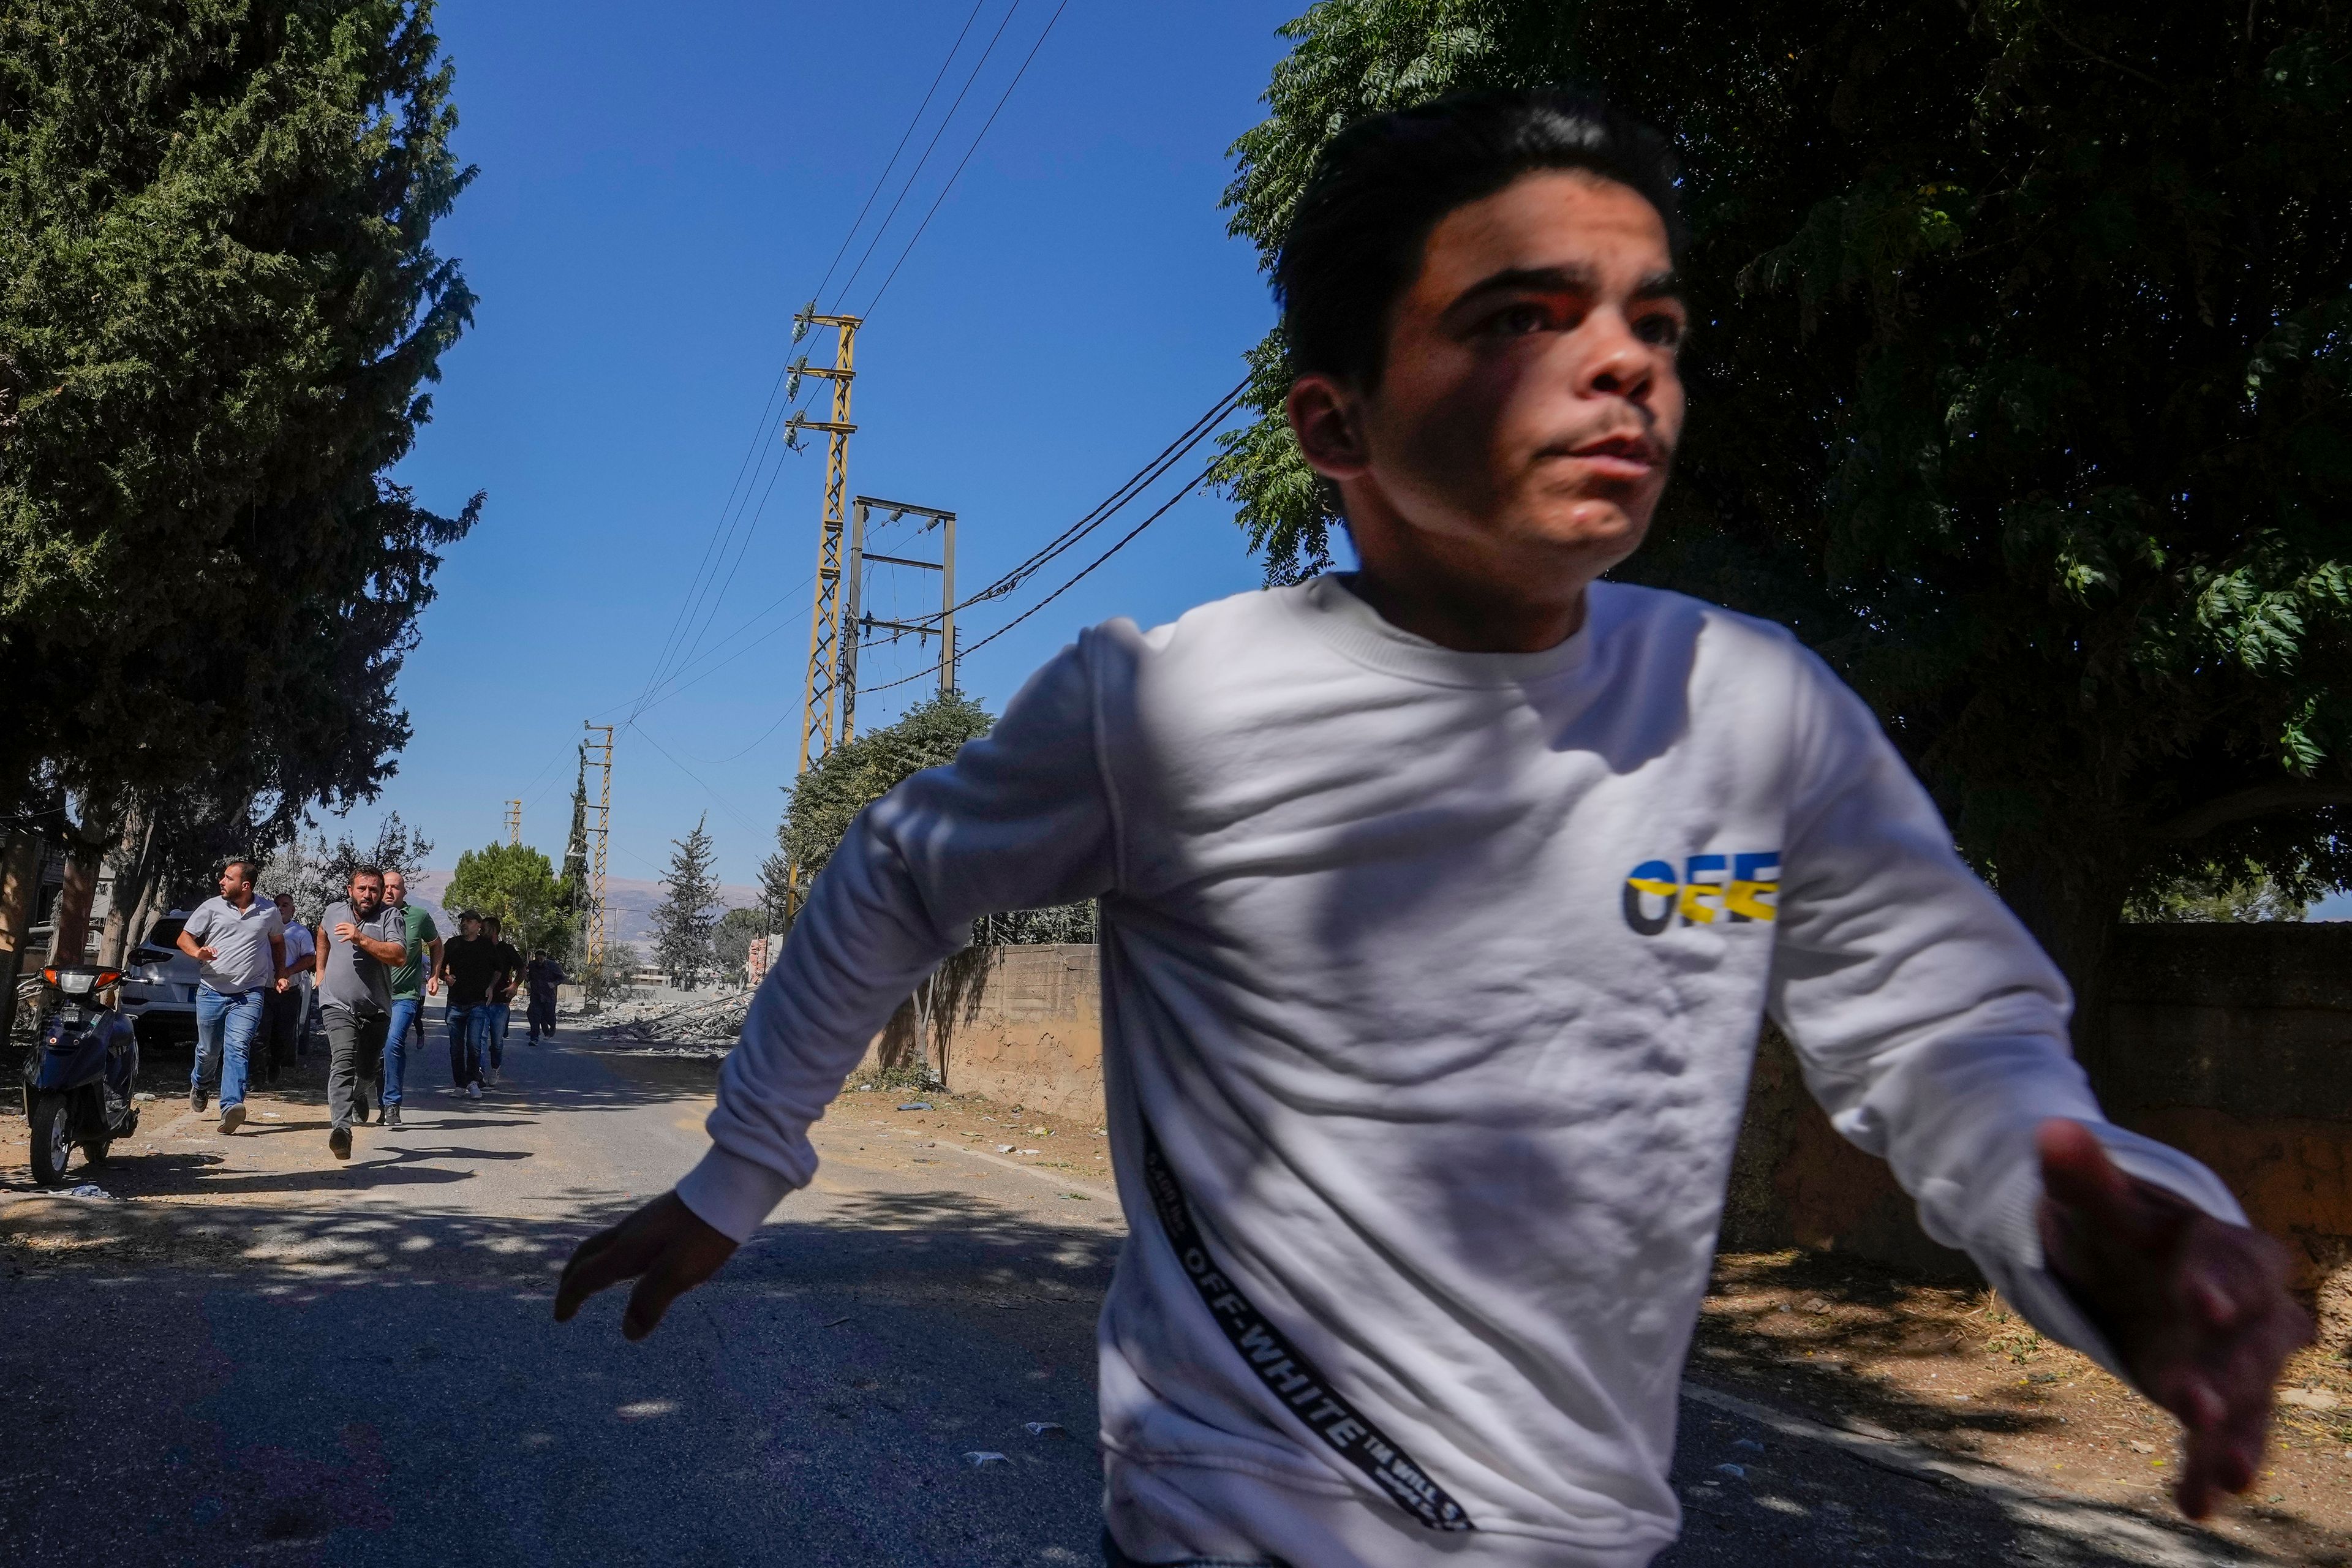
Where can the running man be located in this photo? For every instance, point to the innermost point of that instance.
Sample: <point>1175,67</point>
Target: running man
<point>360,942</point>
<point>502,989</point>
<point>240,942</point>
<point>285,1011</point>
<point>417,977</point>
<point>469,964</point>
<point>542,976</point>
<point>1441,901</point>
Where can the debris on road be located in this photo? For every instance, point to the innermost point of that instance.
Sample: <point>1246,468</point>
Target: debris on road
<point>1039,1428</point>
<point>1737,1472</point>
<point>90,1190</point>
<point>917,1105</point>
<point>676,1022</point>
<point>979,1460</point>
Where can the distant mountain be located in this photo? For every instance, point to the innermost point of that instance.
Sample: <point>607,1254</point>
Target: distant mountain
<point>629,902</point>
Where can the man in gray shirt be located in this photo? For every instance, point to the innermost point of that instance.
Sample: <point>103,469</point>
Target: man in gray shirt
<point>240,941</point>
<point>359,943</point>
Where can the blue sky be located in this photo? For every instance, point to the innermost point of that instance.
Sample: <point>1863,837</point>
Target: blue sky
<point>660,190</point>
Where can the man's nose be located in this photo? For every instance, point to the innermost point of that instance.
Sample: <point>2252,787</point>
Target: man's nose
<point>1619,364</point>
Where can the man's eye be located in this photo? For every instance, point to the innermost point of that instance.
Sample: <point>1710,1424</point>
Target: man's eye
<point>1664,331</point>
<point>1519,321</point>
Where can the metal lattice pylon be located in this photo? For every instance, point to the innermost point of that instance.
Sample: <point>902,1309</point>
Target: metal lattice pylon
<point>599,830</point>
<point>822,690</point>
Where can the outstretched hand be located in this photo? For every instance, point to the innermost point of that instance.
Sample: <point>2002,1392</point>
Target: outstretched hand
<point>665,1247</point>
<point>2197,1310</point>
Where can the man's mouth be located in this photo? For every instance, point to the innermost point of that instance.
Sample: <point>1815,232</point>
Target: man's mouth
<point>1627,455</point>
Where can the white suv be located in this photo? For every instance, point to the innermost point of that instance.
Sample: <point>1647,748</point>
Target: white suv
<point>159,984</point>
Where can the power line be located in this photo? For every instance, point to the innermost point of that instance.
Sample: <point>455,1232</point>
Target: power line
<point>916,173</point>
<point>967,158</point>
<point>1136,484</point>
<point>716,798</point>
<point>723,529</point>
<point>907,135</point>
<point>1189,486</point>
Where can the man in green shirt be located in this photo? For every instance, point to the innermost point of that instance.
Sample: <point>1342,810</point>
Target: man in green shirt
<point>411,983</point>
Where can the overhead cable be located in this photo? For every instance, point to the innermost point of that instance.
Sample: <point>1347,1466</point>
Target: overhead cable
<point>967,151</point>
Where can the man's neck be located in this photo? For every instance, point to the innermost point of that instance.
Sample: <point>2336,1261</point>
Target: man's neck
<point>1473,595</point>
<point>240,903</point>
<point>1468,617</point>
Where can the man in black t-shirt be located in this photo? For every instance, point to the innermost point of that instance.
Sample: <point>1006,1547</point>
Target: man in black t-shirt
<point>469,965</point>
<point>502,990</point>
<point>542,975</point>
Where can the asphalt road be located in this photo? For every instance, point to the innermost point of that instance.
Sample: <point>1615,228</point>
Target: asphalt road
<point>278,1360</point>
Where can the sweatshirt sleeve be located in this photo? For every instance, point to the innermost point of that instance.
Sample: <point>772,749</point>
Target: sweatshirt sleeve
<point>1019,820</point>
<point>1928,1023</point>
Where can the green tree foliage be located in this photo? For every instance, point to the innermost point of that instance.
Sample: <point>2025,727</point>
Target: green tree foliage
<point>683,925</point>
<point>215,221</point>
<point>2019,389</point>
<point>517,884</point>
<point>730,940</point>
<point>575,844</point>
<point>827,798</point>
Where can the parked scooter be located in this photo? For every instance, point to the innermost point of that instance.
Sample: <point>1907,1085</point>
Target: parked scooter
<point>78,1083</point>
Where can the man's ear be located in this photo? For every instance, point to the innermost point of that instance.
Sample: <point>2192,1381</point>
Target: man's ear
<point>1326,418</point>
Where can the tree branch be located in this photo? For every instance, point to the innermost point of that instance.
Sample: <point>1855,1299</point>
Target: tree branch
<point>2261,800</point>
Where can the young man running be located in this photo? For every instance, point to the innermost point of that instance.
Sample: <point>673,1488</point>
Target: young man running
<point>417,978</point>
<point>469,964</point>
<point>542,977</point>
<point>1441,904</point>
<point>360,942</point>
<point>502,989</point>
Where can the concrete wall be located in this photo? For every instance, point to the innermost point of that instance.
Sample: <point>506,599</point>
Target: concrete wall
<point>1022,1026</point>
<point>2232,1042</point>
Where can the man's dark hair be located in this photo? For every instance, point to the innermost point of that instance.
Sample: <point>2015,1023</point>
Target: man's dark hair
<point>359,871</point>
<point>252,866</point>
<point>1379,187</point>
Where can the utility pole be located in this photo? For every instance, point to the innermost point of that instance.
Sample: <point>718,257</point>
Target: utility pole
<point>599,830</point>
<point>824,614</point>
<point>861,624</point>
<point>514,823</point>
<point>824,679</point>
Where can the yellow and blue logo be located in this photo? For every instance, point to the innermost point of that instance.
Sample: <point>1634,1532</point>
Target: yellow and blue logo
<point>1733,888</point>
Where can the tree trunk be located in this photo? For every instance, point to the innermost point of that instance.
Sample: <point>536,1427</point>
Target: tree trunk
<point>134,874</point>
<point>20,887</point>
<point>69,934</point>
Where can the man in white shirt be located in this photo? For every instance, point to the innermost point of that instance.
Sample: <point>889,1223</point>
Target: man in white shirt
<point>1441,904</point>
<point>290,1010</point>
<point>240,941</point>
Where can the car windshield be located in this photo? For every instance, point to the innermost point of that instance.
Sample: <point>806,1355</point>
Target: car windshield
<point>165,932</point>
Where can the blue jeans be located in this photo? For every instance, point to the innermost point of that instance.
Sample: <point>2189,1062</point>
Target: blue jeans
<point>498,1038</point>
<point>225,1026</point>
<point>469,1042</point>
<point>407,1013</point>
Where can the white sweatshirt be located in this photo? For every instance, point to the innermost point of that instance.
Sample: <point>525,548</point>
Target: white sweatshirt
<point>1432,983</point>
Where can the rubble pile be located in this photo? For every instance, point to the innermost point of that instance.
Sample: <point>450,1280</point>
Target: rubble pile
<point>674,1025</point>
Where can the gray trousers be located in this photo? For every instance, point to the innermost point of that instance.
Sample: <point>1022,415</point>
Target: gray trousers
<point>354,1046</point>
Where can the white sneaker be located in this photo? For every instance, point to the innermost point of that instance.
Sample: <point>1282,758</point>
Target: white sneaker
<point>474,1091</point>
<point>496,1074</point>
